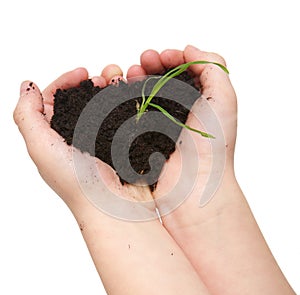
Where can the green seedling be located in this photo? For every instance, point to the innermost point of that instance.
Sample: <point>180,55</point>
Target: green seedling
<point>160,83</point>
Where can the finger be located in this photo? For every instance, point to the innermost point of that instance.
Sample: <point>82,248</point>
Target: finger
<point>215,83</point>
<point>110,71</point>
<point>151,63</point>
<point>67,80</point>
<point>29,117</point>
<point>216,89</point>
<point>193,53</point>
<point>136,72</point>
<point>171,58</point>
<point>211,76</point>
<point>99,81</point>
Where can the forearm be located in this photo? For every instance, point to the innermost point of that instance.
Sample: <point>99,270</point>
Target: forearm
<point>136,257</point>
<point>226,246</point>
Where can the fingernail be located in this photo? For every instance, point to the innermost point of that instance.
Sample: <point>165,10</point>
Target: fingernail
<point>26,86</point>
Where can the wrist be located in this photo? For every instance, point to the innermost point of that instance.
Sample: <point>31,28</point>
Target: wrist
<point>228,196</point>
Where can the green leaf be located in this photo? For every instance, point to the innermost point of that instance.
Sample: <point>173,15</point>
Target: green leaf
<point>173,119</point>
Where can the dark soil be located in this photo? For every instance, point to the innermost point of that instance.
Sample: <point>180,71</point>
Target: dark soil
<point>159,135</point>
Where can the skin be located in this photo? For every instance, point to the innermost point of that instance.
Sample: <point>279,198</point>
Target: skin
<point>217,249</point>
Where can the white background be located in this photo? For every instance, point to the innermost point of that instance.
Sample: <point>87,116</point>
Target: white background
<point>41,248</point>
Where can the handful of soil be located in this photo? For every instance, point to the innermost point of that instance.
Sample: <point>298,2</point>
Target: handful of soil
<point>146,144</point>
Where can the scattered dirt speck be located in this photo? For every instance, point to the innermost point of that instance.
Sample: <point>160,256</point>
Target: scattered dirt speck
<point>81,226</point>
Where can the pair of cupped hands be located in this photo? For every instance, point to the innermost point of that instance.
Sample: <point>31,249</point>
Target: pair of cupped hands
<point>215,249</point>
<point>53,157</point>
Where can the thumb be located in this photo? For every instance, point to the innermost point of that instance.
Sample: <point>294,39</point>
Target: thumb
<point>211,77</point>
<point>30,108</point>
<point>218,107</point>
<point>29,117</point>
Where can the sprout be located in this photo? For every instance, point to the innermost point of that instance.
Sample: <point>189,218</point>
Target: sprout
<point>160,83</point>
